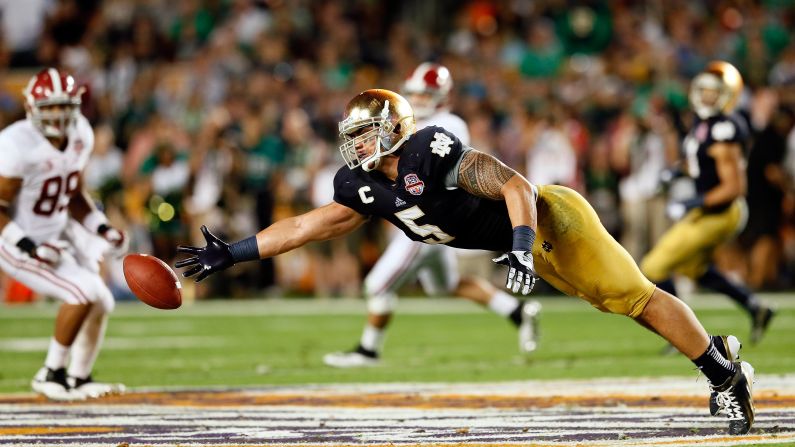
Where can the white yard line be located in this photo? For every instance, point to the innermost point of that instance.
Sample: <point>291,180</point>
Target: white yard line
<point>40,344</point>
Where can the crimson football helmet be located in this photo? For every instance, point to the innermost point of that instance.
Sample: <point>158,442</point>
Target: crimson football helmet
<point>52,102</point>
<point>376,123</point>
<point>716,90</point>
<point>427,88</point>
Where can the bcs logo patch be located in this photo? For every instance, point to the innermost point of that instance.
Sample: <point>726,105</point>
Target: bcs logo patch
<point>413,184</point>
<point>701,132</point>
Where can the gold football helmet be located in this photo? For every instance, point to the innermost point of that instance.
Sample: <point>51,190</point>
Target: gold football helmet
<point>716,89</point>
<point>376,123</point>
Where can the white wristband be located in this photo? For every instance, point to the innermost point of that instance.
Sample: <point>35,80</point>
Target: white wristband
<point>94,220</point>
<point>12,233</point>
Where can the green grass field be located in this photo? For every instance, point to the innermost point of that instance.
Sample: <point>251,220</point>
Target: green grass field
<point>267,342</point>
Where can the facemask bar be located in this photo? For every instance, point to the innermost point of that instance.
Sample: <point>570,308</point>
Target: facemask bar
<point>349,144</point>
<point>54,124</point>
<point>711,82</point>
<point>427,107</point>
<point>382,134</point>
<point>51,123</point>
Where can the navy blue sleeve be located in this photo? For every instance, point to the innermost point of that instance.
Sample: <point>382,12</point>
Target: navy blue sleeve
<point>730,129</point>
<point>431,153</point>
<point>346,190</point>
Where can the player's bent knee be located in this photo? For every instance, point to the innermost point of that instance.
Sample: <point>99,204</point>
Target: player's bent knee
<point>107,302</point>
<point>630,302</point>
<point>71,295</point>
<point>383,304</point>
<point>105,298</point>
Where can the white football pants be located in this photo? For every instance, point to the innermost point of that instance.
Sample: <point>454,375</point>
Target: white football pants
<point>70,281</point>
<point>436,266</point>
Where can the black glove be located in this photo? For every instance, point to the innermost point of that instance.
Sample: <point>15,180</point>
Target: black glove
<point>520,270</point>
<point>205,261</point>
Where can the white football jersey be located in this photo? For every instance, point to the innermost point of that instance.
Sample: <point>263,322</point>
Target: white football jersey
<point>450,122</point>
<point>49,176</point>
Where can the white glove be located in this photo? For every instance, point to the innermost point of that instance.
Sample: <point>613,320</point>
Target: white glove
<point>521,272</point>
<point>675,210</point>
<point>118,240</point>
<point>46,254</point>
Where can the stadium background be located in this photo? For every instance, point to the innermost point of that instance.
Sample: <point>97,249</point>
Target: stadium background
<point>224,112</point>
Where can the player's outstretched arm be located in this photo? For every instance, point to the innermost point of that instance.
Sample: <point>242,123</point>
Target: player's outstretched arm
<point>83,210</point>
<point>484,176</point>
<point>327,222</point>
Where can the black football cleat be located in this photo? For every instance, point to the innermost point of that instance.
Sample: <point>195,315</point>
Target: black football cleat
<point>91,389</point>
<point>528,329</point>
<point>52,384</point>
<point>358,358</point>
<point>731,346</point>
<point>735,398</point>
<point>760,323</point>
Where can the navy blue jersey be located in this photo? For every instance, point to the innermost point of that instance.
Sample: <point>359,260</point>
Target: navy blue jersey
<point>705,133</point>
<point>420,203</point>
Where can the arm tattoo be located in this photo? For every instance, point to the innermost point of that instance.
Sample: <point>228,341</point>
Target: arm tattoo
<point>483,175</point>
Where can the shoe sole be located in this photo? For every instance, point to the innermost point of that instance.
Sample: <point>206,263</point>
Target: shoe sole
<point>748,371</point>
<point>100,391</point>
<point>348,364</point>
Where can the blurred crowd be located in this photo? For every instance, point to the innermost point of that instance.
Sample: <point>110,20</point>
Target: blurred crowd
<point>224,112</point>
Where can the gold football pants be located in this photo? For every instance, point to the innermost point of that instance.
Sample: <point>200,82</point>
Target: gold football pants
<point>687,247</point>
<point>575,254</point>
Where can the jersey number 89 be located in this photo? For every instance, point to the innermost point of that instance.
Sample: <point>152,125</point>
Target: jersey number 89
<point>50,195</point>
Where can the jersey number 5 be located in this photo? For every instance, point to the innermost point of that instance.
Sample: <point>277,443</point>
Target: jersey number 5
<point>408,217</point>
<point>51,193</point>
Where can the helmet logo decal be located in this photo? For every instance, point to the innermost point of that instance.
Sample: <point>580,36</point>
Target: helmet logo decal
<point>414,185</point>
<point>385,110</point>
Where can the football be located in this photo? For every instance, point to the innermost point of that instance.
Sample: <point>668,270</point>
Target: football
<point>152,281</point>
